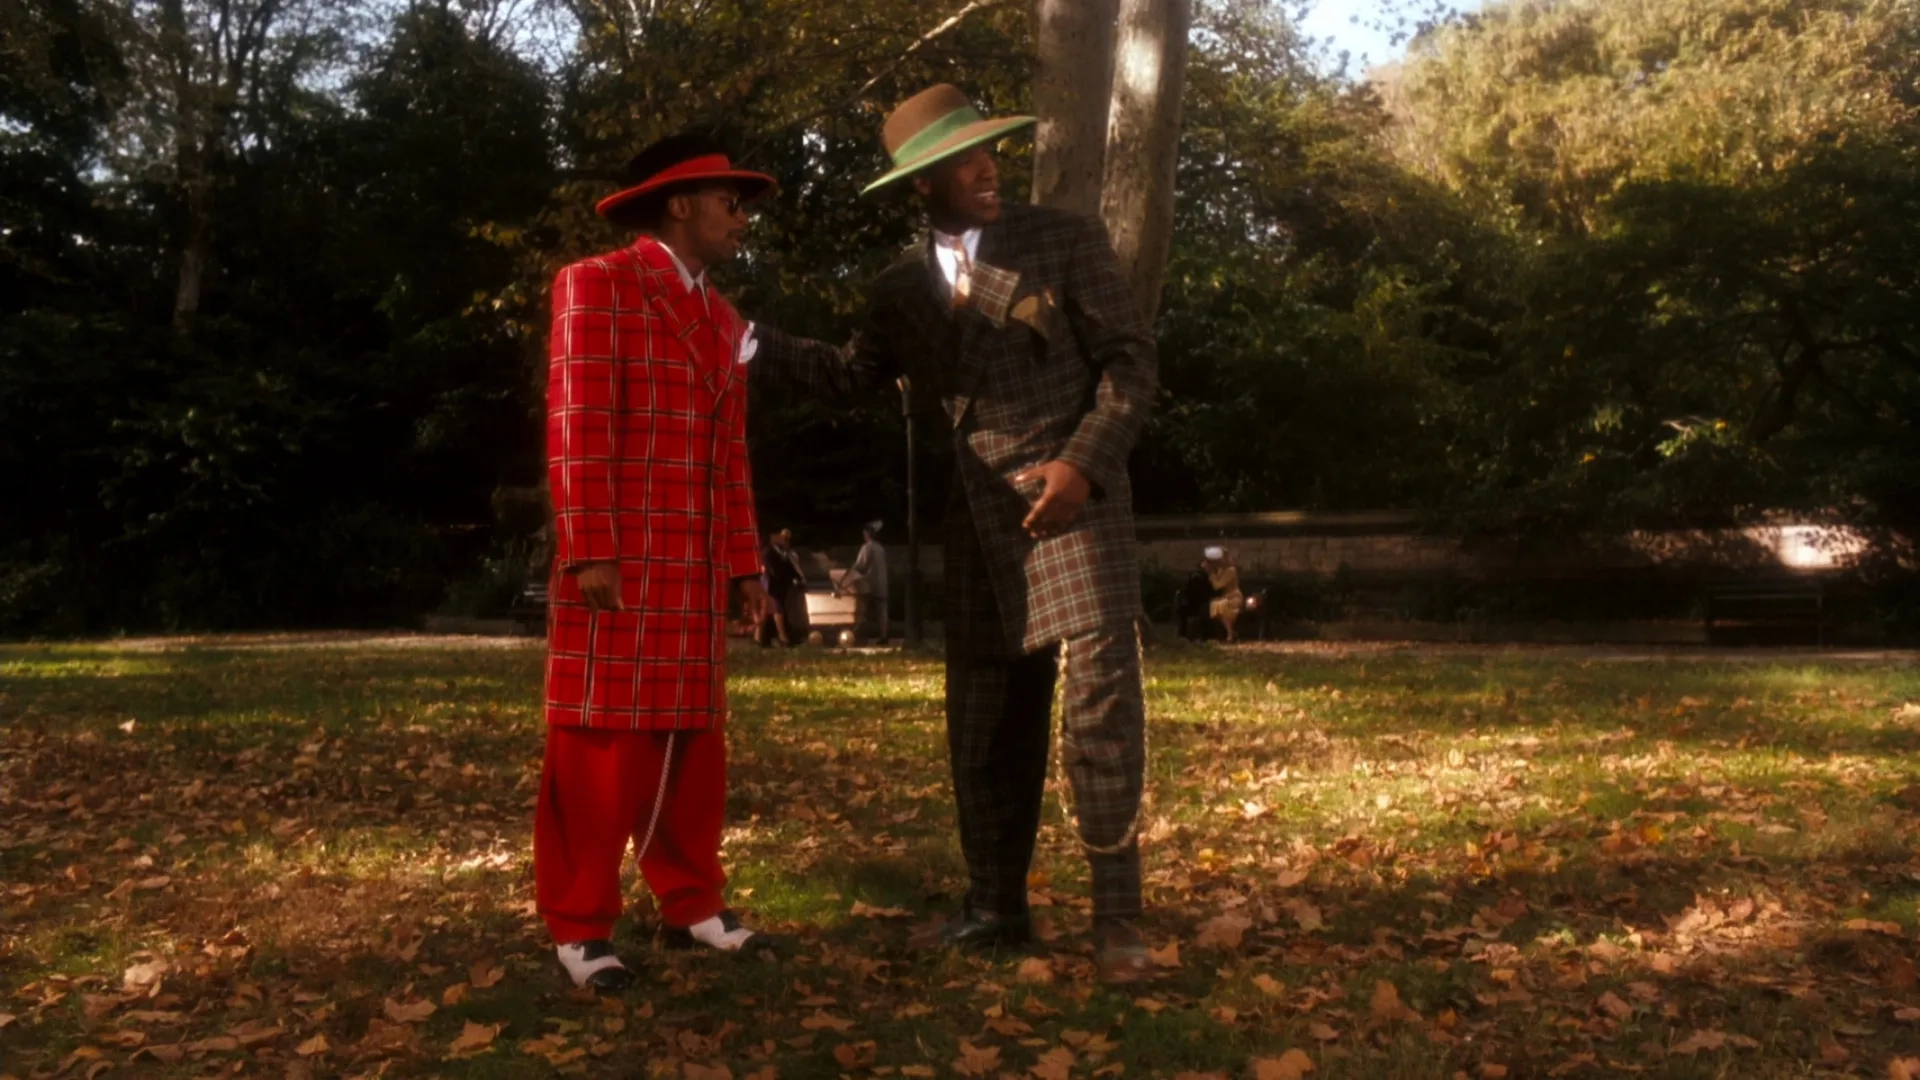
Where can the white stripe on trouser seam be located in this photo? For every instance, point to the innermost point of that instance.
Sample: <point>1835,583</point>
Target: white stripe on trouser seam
<point>659,800</point>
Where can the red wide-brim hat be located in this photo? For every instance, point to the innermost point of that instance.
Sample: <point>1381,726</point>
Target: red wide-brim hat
<point>705,167</point>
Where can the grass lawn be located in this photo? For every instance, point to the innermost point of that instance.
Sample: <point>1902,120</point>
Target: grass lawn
<point>312,859</point>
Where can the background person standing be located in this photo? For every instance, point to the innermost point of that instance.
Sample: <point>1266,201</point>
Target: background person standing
<point>866,579</point>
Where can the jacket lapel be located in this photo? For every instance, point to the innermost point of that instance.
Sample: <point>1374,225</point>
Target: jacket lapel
<point>976,329</point>
<point>686,316</point>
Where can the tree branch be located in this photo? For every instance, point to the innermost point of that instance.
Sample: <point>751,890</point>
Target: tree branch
<point>945,27</point>
<point>952,21</point>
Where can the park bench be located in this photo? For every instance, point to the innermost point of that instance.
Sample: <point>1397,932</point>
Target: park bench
<point>1738,611</point>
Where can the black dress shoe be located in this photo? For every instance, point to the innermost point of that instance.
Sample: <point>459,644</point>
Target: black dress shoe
<point>736,938</point>
<point>988,930</point>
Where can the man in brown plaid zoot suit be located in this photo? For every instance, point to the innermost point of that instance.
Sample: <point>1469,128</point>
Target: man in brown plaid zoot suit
<point>1018,322</point>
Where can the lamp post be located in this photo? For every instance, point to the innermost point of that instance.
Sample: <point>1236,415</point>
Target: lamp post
<point>913,519</point>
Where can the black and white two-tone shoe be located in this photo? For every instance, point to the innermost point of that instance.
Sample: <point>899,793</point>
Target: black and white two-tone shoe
<point>722,933</point>
<point>593,964</point>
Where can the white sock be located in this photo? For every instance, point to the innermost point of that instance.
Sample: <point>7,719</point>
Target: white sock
<point>714,932</point>
<point>581,966</point>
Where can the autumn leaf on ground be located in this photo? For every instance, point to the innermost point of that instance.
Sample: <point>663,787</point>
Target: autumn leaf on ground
<point>1492,1071</point>
<point>474,1038</point>
<point>1904,1069</point>
<point>314,1046</point>
<point>1613,1005</point>
<point>409,1012</point>
<point>1701,1040</point>
<point>1291,1065</point>
<point>921,1071</point>
<point>1168,957</point>
<point>145,976</point>
<point>1055,1064</point>
<point>1287,879</point>
<point>1305,914</point>
<point>706,1072</point>
<point>1269,985</point>
<point>485,974</point>
<point>455,994</point>
<point>1223,931</point>
<point>1037,970</point>
<point>1869,926</point>
<point>976,1060</point>
<point>822,1019</point>
<point>254,1032</point>
<point>1386,1005</point>
<point>1322,1032</point>
<point>855,1055</point>
<point>868,911</point>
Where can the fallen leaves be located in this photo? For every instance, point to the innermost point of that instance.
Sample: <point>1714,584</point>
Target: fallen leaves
<point>474,1039</point>
<point>1713,1039</point>
<point>408,1012</point>
<point>823,1020</point>
<point>145,976</point>
<point>1385,1004</point>
<point>1223,931</point>
<point>863,910</point>
<point>1055,1064</point>
<point>856,1055</point>
<point>314,1047</point>
<point>976,1060</point>
<point>1305,914</point>
<point>1034,971</point>
<point>1291,1065</point>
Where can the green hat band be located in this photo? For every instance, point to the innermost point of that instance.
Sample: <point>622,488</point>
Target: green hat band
<point>935,133</point>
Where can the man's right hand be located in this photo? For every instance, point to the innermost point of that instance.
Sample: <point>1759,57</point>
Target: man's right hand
<point>600,585</point>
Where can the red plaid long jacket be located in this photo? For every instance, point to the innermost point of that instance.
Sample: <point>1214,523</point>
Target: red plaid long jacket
<point>647,461</point>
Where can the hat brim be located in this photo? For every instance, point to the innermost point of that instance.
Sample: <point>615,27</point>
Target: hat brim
<point>965,139</point>
<point>753,187</point>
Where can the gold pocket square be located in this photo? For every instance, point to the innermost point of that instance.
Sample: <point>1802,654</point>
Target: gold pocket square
<point>1032,310</point>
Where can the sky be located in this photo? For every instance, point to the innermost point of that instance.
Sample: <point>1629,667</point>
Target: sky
<point>1369,45</point>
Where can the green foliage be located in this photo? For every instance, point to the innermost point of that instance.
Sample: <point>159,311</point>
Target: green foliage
<point>1712,209</point>
<point>1575,266</point>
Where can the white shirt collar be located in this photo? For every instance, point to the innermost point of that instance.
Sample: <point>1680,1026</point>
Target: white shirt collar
<point>686,279</point>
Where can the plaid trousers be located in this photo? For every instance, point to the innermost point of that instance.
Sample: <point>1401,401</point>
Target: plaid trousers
<point>999,722</point>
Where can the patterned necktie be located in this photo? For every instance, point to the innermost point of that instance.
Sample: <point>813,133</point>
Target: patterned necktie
<point>962,270</point>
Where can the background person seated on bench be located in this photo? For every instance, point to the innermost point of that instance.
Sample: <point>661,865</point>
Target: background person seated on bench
<point>1224,578</point>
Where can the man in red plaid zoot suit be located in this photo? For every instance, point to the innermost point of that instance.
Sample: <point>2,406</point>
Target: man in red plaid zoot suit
<point>653,521</point>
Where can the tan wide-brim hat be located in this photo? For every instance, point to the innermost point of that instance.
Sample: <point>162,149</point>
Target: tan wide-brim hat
<point>934,125</point>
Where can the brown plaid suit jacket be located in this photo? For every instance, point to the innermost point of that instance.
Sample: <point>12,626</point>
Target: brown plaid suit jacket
<point>1048,359</point>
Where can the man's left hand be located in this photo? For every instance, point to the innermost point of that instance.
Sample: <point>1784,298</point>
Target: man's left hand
<point>1065,492</point>
<point>755,604</point>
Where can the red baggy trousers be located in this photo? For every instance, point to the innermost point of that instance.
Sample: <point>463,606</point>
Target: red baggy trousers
<point>597,791</point>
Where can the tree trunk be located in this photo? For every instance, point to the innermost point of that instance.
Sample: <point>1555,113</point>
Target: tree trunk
<point>1143,140</point>
<point>1072,83</point>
